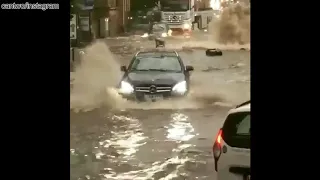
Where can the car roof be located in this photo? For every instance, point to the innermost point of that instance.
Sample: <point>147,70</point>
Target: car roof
<point>157,52</point>
<point>244,107</point>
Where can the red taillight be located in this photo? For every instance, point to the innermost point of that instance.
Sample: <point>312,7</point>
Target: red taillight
<point>218,139</point>
<point>217,149</point>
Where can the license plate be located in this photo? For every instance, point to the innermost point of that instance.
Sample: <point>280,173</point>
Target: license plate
<point>153,97</point>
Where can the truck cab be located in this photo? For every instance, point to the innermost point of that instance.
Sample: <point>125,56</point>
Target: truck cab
<point>183,14</point>
<point>178,14</point>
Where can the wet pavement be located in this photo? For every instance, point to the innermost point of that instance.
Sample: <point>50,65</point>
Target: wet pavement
<point>161,142</point>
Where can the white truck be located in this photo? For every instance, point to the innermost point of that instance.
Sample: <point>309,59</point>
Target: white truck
<point>183,15</point>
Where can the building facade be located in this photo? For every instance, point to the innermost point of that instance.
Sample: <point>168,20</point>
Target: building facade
<point>111,15</point>
<point>123,7</point>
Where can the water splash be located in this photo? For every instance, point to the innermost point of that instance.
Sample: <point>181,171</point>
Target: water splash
<point>94,82</point>
<point>233,25</point>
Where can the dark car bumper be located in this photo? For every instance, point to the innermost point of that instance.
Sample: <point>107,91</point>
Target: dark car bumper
<point>143,96</point>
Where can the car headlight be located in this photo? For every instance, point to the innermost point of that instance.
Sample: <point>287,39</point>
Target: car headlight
<point>186,26</point>
<point>180,87</point>
<point>164,35</point>
<point>125,88</point>
<point>145,35</point>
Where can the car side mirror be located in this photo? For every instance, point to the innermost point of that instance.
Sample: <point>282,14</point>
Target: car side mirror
<point>123,68</point>
<point>189,68</point>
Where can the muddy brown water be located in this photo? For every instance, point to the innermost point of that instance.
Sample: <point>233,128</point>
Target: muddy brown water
<point>161,140</point>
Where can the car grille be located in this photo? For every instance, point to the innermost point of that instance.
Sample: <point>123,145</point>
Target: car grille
<point>172,19</point>
<point>153,89</point>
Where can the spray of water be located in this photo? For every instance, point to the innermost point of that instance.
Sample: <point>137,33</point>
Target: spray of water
<point>228,31</point>
<point>233,25</point>
<point>94,79</point>
<point>94,83</point>
<point>97,75</point>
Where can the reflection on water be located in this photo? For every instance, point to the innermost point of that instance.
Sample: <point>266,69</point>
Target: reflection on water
<point>118,156</point>
<point>157,169</point>
<point>180,129</point>
<point>126,141</point>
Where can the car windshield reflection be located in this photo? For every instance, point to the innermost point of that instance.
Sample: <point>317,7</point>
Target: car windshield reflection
<point>166,63</point>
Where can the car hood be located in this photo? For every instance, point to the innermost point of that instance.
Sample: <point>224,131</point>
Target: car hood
<point>156,78</point>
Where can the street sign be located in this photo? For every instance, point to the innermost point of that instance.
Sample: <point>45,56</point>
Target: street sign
<point>73,27</point>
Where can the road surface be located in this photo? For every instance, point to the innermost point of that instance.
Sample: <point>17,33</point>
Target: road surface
<point>162,140</point>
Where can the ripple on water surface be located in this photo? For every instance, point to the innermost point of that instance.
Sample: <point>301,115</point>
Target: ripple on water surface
<point>124,152</point>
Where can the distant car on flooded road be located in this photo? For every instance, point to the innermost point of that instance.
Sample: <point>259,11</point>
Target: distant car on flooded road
<point>231,150</point>
<point>154,75</point>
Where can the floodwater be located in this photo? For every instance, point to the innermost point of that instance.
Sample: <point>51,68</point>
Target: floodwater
<point>111,138</point>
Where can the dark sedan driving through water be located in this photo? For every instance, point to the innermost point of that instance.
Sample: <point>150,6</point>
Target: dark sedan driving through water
<point>154,75</point>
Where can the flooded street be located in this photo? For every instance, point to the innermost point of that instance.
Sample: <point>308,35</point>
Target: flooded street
<point>144,144</point>
<point>161,140</point>
<point>112,138</point>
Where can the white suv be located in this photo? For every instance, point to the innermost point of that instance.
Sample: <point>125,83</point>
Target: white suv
<point>231,150</point>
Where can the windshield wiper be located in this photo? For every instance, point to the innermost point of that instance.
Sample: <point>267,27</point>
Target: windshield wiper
<point>162,70</point>
<point>139,69</point>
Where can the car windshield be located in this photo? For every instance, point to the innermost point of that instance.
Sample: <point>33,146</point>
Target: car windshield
<point>175,5</point>
<point>161,63</point>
